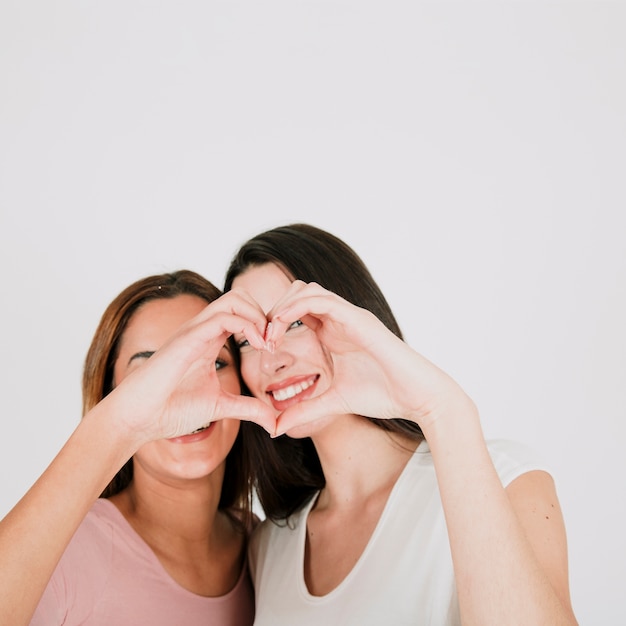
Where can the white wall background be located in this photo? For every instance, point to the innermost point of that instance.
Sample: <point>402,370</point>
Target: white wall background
<point>474,154</point>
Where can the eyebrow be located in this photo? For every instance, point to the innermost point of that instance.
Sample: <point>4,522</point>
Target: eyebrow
<point>146,354</point>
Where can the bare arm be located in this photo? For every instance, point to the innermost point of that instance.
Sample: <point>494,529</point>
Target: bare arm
<point>36,531</point>
<point>508,546</point>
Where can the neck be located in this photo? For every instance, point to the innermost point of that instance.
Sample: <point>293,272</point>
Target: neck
<point>359,459</point>
<point>199,546</point>
<point>185,512</point>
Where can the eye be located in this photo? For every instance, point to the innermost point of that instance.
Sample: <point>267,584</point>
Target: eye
<point>243,343</point>
<point>295,324</point>
<point>224,359</point>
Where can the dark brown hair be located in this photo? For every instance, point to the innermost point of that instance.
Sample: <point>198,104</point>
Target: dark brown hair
<point>287,472</point>
<point>103,352</point>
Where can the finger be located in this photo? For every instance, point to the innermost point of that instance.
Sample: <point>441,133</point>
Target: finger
<point>207,337</point>
<point>249,307</point>
<point>235,301</point>
<point>310,310</point>
<point>249,409</point>
<point>237,304</point>
<point>242,304</point>
<point>306,412</point>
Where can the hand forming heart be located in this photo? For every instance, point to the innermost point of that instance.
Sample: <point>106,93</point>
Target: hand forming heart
<point>375,373</point>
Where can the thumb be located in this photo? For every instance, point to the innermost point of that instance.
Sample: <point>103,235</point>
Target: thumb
<point>308,411</point>
<point>248,409</point>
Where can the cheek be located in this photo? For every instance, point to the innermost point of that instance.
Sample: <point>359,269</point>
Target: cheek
<point>151,453</point>
<point>229,380</point>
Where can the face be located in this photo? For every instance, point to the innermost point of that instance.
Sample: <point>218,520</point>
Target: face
<point>191,456</point>
<point>299,368</point>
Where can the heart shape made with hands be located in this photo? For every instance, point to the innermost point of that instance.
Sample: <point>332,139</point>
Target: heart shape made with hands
<point>305,409</point>
<point>371,369</point>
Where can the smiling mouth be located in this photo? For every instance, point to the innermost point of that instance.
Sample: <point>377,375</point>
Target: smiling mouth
<point>280,395</point>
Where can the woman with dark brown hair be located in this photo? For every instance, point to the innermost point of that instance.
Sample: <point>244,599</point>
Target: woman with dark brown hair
<point>160,442</point>
<point>385,504</point>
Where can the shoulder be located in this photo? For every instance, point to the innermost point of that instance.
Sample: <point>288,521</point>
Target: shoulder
<point>513,458</point>
<point>96,532</point>
<point>510,459</point>
<point>91,548</point>
<point>268,531</point>
<point>83,569</point>
<point>277,537</point>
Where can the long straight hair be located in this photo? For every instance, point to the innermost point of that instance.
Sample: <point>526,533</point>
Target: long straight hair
<point>287,472</point>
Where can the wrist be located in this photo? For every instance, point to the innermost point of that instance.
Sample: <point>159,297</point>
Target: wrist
<point>116,438</point>
<point>453,419</point>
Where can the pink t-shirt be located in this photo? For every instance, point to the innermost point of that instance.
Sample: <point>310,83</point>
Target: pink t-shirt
<point>108,576</point>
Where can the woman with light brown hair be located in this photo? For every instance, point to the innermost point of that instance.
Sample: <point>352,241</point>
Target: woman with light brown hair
<point>160,443</point>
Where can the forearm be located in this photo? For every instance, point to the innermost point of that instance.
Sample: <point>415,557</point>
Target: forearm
<point>35,533</point>
<point>499,577</point>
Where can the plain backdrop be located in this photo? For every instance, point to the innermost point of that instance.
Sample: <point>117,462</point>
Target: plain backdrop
<point>474,154</point>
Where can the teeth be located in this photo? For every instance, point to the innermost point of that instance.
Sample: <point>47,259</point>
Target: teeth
<point>200,429</point>
<point>291,391</point>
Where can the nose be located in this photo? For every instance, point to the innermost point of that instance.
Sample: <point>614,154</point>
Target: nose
<point>272,362</point>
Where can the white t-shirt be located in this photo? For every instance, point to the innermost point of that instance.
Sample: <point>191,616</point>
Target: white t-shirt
<point>404,575</point>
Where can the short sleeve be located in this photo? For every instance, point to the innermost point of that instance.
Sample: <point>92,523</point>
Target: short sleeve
<point>79,578</point>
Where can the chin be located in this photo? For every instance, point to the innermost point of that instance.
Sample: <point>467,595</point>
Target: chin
<point>310,429</point>
<point>196,470</point>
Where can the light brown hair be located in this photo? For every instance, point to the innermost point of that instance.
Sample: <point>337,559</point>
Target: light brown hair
<point>100,360</point>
